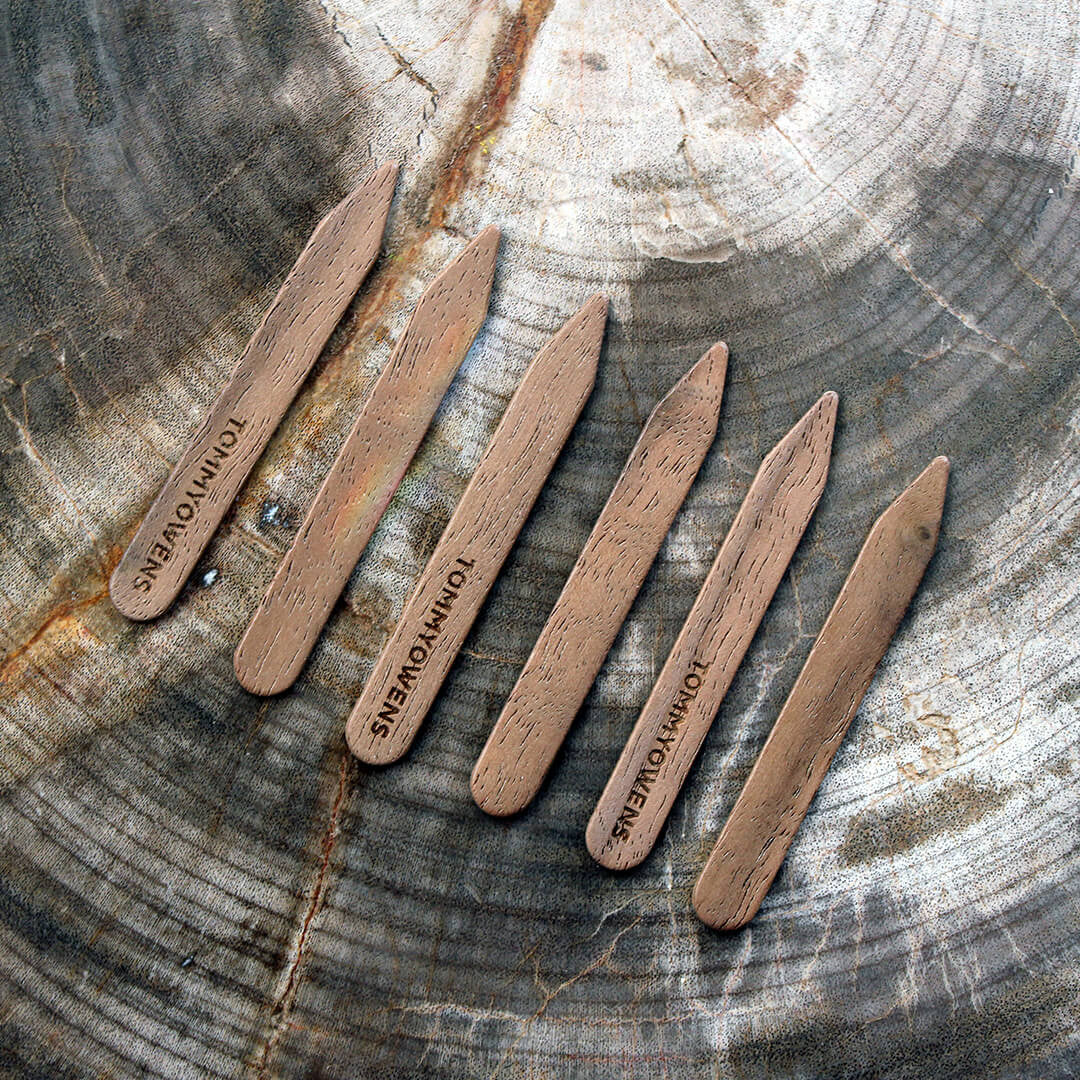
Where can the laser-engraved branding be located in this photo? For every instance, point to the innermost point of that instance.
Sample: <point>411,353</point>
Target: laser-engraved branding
<point>721,623</point>
<point>650,771</point>
<point>185,511</point>
<point>408,673</point>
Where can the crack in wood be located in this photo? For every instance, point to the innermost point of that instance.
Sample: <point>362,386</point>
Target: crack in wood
<point>293,975</point>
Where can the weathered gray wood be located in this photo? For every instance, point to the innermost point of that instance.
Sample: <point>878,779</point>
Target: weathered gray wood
<point>877,198</point>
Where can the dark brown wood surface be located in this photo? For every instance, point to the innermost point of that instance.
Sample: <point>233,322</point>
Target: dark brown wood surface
<point>366,471</point>
<point>725,615</point>
<point>829,690</point>
<point>876,198</point>
<point>205,481</point>
<point>463,567</point>
<point>600,590</point>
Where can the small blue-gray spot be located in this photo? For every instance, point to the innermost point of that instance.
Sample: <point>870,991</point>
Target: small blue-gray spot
<point>271,515</point>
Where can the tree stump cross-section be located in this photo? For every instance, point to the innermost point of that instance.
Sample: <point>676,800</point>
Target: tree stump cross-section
<point>874,198</point>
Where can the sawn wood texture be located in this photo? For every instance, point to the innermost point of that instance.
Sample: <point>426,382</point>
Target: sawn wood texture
<point>820,707</point>
<point>200,885</point>
<point>367,471</point>
<point>204,482</point>
<point>601,587</point>
<point>473,547</point>
<point>713,641</point>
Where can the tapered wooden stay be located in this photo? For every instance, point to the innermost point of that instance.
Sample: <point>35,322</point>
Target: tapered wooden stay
<point>820,707</point>
<point>443,605</point>
<point>204,482</point>
<point>602,586</point>
<point>713,641</point>
<point>367,471</point>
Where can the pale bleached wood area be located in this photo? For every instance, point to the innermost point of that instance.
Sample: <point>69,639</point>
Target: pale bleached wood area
<point>876,198</point>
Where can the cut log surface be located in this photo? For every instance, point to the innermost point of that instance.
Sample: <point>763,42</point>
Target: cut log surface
<point>874,198</point>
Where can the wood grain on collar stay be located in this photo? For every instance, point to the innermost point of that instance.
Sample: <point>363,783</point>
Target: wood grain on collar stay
<point>367,471</point>
<point>713,641</point>
<point>820,707</point>
<point>462,569</point>
<point>204,482</point>
<point>597,596</point>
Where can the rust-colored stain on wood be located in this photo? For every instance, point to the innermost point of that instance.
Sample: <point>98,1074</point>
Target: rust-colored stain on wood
<point>597,596</point>
<point>713,641</point>
<point>490,108</point>
<point>206,479</point>
<point>367,471</point>
<point>472,549</point>
<point>820,707</point>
